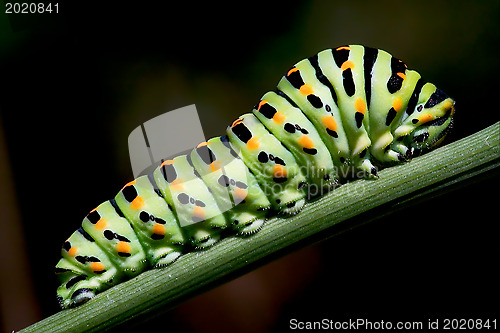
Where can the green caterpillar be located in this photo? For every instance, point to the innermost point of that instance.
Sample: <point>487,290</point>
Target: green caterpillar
<point>352,108</point>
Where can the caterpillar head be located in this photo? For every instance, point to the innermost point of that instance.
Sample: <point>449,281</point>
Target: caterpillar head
<point>429,121</point>
<point>435,122</point>
<point>430,136</point>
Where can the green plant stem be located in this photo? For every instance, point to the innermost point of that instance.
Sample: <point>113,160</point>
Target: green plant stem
<point>401,186</point>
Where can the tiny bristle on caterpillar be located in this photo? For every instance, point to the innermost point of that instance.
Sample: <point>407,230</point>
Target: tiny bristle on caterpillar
<point>344,112</point>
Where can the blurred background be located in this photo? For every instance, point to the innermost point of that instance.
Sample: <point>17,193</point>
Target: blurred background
<point>73,85</point>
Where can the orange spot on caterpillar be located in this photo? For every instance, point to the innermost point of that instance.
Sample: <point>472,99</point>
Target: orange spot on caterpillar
<point>130,183</point>
<point>253,143</point>
<point>101,224</point>
<point>360,105</point>
<point>401,75</point>
<point>346,65</point>
<point>240,193</point>
<point>330,123</point>
<point>291,71</point>
<point>137,203</point>
<point>96,267</point>
<point>72,251</point>
<point>123,247</point>
<point>425,118</point>
<point>447,105</point>
<point>236,122</point>
<point>306,89</point>
<point>177,184</point>
<point>279,117</point>
<point>215,165</point>
<point>202,144</point>
<point>306,142</point>
<point>397,104</point>
<point>260,104</point>
<point>199,212</point>
<point>159,229</point>
<point>342,48</point>
<point>167,162</point>
<point>279,171</point>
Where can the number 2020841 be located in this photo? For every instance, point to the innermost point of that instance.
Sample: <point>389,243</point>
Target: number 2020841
<point>31,8</point>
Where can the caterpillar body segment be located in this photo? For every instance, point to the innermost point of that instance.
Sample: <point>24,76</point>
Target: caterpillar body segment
<point>322,112</point>
<point>350,108</point>
<point>112,232</point>
<point>346,75</point>
<point>234,187</point>
<point>272,164</point>
<point>194,204</point>
<point>290,126</point>
<point>155,224</point>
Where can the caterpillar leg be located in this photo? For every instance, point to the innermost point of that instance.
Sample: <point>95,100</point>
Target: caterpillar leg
<point>76,285</point>
<point>361,160</point>
<point>202,237</point>
<point>166,255</point>
<point>248,228</point>
<point>366,166</point>
<point>81,295</point>
<point>399,152</point>
<point>294,207</point>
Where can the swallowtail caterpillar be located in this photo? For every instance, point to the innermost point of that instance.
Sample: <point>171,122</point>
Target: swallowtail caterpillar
<point>350,108</point>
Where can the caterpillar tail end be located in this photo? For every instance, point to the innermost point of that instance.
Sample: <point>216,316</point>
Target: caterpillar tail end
<point>78,297</point>
<point>81,296</point>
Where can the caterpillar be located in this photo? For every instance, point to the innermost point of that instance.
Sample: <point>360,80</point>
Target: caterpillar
<point>351,108</point>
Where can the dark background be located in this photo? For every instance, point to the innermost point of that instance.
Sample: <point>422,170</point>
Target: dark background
<point>73,85</point>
